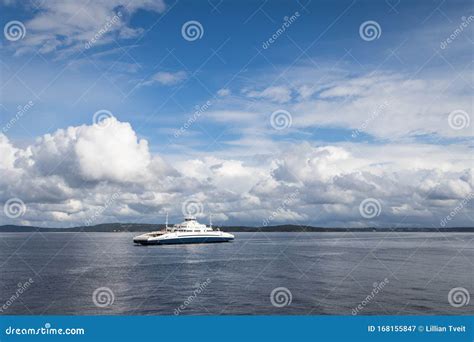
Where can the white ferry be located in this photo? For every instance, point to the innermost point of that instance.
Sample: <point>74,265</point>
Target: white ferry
<point>188,231</point>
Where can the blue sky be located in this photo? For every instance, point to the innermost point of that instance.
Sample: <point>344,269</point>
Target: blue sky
<point>237,31</point>
<point>343,93</point>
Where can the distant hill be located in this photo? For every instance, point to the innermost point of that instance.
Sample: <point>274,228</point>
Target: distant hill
<point>139,227</point>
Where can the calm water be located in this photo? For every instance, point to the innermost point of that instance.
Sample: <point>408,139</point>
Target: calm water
<point>326,273</point>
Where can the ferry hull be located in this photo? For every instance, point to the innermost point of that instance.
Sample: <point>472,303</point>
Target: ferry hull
<point>182,241</point>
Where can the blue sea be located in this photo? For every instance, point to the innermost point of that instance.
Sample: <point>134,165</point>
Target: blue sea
<point>257,274</point>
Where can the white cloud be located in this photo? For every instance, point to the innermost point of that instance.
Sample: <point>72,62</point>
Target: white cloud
<point>166,78</point>
<point>387,106</point>
<point>114,154</point>
<point>223,92</point>
<point>65,177</point>
<point>7,151</point>
<point>390,106</point>
<point>65,27</point>
<point>277,94</point>
<point>92,153</point>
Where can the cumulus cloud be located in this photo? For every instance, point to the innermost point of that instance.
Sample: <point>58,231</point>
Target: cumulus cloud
<point>7,151</point>
<point>106,152</point>
<point>106,172</point>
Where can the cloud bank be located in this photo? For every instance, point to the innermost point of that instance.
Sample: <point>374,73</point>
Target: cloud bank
<point>67,177</point>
